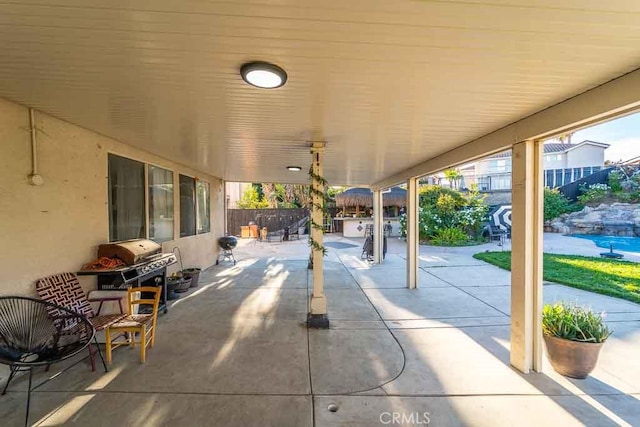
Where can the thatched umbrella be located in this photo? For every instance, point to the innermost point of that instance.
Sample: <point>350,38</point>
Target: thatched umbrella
<point>355,197</point>
<point>364,197</point>
<point>396,197</point>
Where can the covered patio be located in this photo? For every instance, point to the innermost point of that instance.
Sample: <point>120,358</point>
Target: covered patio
<point>247,357</point>
<point>124,121</point>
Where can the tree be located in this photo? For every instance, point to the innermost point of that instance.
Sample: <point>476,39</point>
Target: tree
<point>270,194</point>
<point>282,195</point>
<point>301,195</point>
<point>251,200</point>
<point>454,176</point>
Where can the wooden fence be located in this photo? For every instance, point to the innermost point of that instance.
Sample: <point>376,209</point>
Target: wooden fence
<point>273,219</point>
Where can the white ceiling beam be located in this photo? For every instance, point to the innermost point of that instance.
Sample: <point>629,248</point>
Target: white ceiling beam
<point>613,99</point>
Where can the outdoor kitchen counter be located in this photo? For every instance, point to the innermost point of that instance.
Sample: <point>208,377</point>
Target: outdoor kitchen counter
<point>355,227</point>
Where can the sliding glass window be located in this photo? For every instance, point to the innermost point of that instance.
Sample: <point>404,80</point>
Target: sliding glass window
<point>204,209</point>
<point>187,206</point>
<point>127,216</point>
<point>160,204</point>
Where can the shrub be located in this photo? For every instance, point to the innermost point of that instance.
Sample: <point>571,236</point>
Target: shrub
<point>555,204</point>
<point>450,236</point>
<point>251,200</point>
<point>402,219</point>
<point>629,183</point>
<point>575,323</point>
<point>429,195</point>
<point>615,180</point>
<point>443,208</point>
<point>594,193</point>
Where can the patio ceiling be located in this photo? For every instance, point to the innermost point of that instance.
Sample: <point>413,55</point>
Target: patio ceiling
<point>387,84</point>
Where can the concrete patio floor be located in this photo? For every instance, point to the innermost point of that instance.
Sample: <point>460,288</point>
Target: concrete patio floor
<point>236,351</point>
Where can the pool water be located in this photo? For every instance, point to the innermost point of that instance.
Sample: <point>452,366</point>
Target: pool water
<point>620,243</point>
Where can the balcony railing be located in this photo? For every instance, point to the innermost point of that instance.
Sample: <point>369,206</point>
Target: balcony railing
<point>553,178</point>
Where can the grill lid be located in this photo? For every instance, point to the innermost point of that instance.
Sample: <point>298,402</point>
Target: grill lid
<point>129,251</point>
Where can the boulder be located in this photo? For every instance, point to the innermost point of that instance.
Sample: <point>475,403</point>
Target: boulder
<point>617,219</point>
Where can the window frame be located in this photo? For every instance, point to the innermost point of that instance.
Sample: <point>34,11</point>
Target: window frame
<point>148,201</point>
<point>208,199</point>
<point>147,220</point>
<point>196,216</point>
<point>109,197</point>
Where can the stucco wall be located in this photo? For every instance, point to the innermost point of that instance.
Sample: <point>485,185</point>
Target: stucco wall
<point>585,156</point>
<point>551,161</point>
<point>56,227</point>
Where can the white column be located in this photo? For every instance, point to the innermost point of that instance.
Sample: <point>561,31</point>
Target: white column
<point>378,221</point>
<point>318,304</point>
<point>225,203</point>
<point>412,233</point>
<point>526,257</point>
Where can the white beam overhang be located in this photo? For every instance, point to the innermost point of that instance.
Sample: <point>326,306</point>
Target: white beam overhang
<point>613,99</point>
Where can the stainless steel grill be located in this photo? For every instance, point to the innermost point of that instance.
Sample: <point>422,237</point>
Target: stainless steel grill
<point>146,266</point>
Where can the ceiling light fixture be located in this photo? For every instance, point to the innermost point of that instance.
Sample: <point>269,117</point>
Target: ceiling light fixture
<point>294,168</point>
<point>263,75</point>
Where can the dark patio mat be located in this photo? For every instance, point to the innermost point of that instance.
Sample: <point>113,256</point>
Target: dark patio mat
<point>340,245</point>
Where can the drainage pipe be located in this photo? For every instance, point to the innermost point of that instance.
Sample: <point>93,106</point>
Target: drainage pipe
<point>34,178</point>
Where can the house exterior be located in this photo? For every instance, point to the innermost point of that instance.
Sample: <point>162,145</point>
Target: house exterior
<point>94,189</point>
<point>234,192</point>
<point>562,164</point>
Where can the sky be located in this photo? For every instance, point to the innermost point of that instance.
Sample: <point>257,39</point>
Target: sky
<point>623,134</point>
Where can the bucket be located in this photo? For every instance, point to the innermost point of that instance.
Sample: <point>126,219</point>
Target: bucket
<point>179,285</point>
<point>193,274</point>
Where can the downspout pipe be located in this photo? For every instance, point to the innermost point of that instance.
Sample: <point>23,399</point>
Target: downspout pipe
<point>34,178</point>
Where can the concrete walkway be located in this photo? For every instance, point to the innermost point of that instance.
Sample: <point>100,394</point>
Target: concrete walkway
<point>236,352</point>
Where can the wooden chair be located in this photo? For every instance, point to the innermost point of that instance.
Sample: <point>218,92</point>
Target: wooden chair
<point>142,325</point>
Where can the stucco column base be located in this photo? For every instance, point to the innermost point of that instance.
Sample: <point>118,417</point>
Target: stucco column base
<point>317,317</point>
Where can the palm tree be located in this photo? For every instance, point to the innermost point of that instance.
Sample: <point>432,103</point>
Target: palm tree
<point>454,176</point>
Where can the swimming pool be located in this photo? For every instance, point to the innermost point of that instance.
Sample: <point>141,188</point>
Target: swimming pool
<point>629,244</point>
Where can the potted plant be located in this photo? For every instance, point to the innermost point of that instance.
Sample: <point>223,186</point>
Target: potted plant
<point>574,336</point>
<point>177,283</point>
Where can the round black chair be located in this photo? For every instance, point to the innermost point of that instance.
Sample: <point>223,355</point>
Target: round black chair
<point>38,333</point>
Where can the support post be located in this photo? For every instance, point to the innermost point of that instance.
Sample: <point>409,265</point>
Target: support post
<point>526,256</point>
<point>412,233</point>
<point>317,317</point>
<point>378,236</point>
<point>225,201</point>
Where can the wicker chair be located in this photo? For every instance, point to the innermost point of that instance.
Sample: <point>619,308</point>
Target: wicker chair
<point>65,290</point>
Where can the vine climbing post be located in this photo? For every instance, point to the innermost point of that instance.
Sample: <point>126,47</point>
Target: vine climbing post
<point>317,317</point>
<point>413,245</point>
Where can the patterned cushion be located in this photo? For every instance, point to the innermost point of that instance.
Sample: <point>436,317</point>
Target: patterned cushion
<point>64,289</point>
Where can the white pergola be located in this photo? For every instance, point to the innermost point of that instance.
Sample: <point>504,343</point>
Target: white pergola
<point>393,90</point>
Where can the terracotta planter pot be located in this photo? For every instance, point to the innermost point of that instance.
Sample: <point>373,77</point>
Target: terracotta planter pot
<point>572,358</point>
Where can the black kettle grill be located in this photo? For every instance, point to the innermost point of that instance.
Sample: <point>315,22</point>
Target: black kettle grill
<point>227,243</point>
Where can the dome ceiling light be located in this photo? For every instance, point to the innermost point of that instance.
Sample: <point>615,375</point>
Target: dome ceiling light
<point>263,75</point>
<point>294,168</point>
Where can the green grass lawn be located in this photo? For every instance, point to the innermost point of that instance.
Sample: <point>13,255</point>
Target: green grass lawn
<point>604,276</point>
